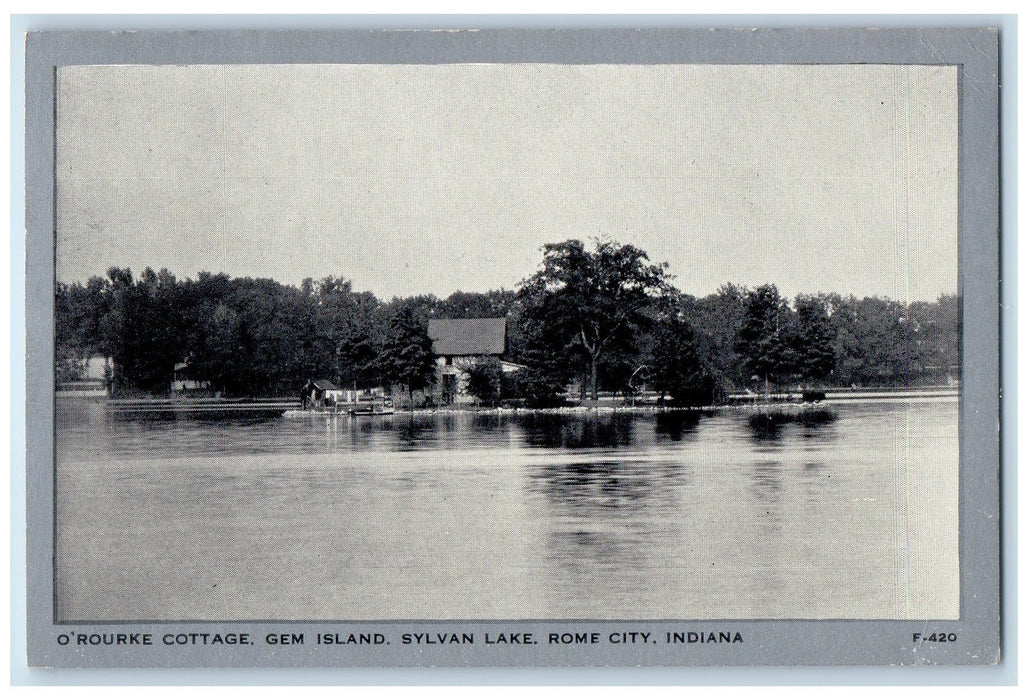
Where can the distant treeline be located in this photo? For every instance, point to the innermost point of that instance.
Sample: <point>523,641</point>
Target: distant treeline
<point>605,318</point>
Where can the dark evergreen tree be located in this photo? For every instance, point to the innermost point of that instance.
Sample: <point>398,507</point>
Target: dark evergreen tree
<point>764,337</point>
<point>356,340</point>
<point>814,339</point>
<point>406,357</point>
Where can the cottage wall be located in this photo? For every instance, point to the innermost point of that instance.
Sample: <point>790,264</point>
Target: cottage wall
<point>452,379</point>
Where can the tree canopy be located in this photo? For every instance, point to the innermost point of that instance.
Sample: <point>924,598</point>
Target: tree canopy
<point>674,363</point>
<point>603,315</point>
<point>406,356</point>
<point>592,302</point>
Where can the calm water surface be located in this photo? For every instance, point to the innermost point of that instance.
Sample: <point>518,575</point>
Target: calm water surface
<point>463,516</point>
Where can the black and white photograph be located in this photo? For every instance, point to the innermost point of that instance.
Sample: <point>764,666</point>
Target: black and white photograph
<point>494,342</point>
<point>366,342</point>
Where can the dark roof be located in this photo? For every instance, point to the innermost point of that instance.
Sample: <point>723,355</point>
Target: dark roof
<point>468,336</point>
<point>324,385</point>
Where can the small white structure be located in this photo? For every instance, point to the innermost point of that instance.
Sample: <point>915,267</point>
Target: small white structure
<point>183,381</point>
<point>355,396</point>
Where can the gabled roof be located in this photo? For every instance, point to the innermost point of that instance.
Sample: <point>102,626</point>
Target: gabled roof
<point>457,337</point>
<point>324,385</point>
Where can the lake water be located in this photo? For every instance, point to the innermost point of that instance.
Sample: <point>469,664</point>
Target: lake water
<point>465,516</point>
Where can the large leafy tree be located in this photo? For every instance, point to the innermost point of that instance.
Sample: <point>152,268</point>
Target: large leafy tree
<point>491,304</point>
<point>934,338</point>
<point>593,301</point>
<point>674,366</point>
<point>270,337</point>
<point>143,329</point>
<point>485,381</point>
<point>79,313</point>
<point>618,371</point>
<point>358,344</point>
<point>547,370</point>
<point>213,347</point>
<point>872,341</point>
<point>716,321</point>
<point>341,339</point>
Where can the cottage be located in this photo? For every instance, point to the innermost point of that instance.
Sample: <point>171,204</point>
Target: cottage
<point>184,380</point>
<point>458,345</point>
<point>318,393</point>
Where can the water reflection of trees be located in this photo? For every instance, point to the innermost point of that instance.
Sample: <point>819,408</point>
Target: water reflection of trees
<point>766,485</point>
<point>586,552</point>
<point>676,425</point>
<point>770,426</point>
<point>578,431</point>
<point>236,419</point>
<point>586,488</point>
<point>815,478</point>
<point>766,427</point>
<point>554,431</point>
<point>449,431</point>
<point>144,417</point>
<point>816,417</point>
<point>608,514</point>
<point>819,430</point>
<point>414,432</point>
<point>485,422</point>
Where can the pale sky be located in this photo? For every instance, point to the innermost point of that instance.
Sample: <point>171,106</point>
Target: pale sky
<point>430,179</point>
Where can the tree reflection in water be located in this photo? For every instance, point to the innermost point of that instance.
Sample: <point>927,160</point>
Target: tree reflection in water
<point>609,511</point>
<point>415,431</point>
<point>818,424</point>
<point>766,485</point>
<point>578,431</point>
<point>485,422</point>
<point>815,478</point>
<point>676,425</point>
<point>766,427</point>
<point>586,488</point>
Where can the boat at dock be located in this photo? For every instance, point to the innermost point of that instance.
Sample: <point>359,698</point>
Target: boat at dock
<point>376,408</point>
<point>361,408</point>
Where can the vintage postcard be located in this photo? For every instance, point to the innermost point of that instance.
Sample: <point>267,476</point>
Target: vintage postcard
<point>513,348</point>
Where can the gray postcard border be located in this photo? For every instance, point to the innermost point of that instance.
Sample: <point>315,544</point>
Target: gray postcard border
<point>767,642</point>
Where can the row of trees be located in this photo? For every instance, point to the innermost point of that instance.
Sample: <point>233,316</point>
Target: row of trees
<point>606,318</point>
<point>611,320</point>
<point>249,337</point>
